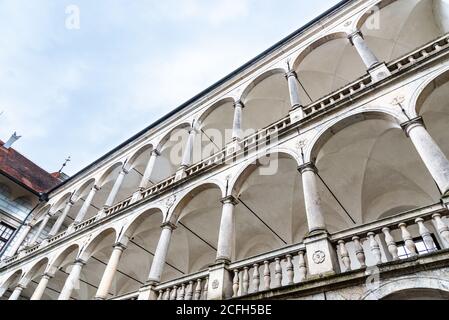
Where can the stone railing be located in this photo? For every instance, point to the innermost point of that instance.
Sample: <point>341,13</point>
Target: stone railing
<point>127,296</point>
<point>328,102</point>
<point>276,269</point>
<point>191,287</point>
<point>377,242</point>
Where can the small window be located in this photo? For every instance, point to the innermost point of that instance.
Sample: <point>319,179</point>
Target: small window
<point>421,247</point>
<point>6,232</point>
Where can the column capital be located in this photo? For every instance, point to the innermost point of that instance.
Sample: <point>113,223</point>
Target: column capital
<point>80,262</point>
<point>309,166</point>
<point>124,171</point>
<point>239,103</point>
<point>355,34</point>
<point>291,73</point>
<point>230,199</point>
<point>119,245</point>
<point>412,123</point>
<point>21,286</point>
<point>168,225</point>
<point>48,275</point>
<point>96,188</point>
<point>70,202</point>
<point>156,153</point>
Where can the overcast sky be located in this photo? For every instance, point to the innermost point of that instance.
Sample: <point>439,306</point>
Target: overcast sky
<point>82,91</point>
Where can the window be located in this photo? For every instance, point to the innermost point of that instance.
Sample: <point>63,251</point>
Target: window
<point>5,234</point>
<point>421,247</point>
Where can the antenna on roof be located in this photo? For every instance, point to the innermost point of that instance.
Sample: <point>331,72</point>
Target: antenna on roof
<point>64,164</point>
<point>11,140</point>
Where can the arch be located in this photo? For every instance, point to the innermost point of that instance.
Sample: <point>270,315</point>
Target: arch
<point>251,165</point>
<point>93,245</point>
<point>316,44</point>
<point>83,189</point>
<point>167,136</point>
<point>32,273</point>
<point>106,175</point>
<point>15,277</point>
<point>202,116</point>
<point>407,283</point>
<point>131,162</point>
<point>369,11</point>
<point>174,217</point>
<point>258,80</point>
<point>425,90</point>
<point>61,258</point>
<point>61,202</point>
<point>334,127</point>
<point>130,229</point>
<point>40,214</point>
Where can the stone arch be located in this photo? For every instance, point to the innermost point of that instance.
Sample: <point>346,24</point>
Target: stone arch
<point>11,280</point>
<point>40,214</point>
<point>369,11</point>
<point>166,137</point>
<point>92,245</point>
<point>408,283</point>
<point>60,258</point>
<point>107,174</point>
<point>132,226</point>
<point>32,272</point>
<point>135,156</point>
<point>265,75</point>
<point>83,189</point>
<point>251,165</point>
<point>205,113</point>
<point>315,145</point>
<point>60,204</point>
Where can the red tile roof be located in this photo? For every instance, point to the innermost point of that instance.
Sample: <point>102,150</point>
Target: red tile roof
<point>20,168</point>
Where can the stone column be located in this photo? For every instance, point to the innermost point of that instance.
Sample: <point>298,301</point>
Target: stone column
<point>312,198</point>
<point>293,88</point>
<point>237,123</point>
<point>363,50</point>
<point>41,228</point>
<point>86,204</point>
<point>149,170</point>
<point>226,234</point>
<point>39,292</point>
<point>72,280</point>
<point>160,255</point>
<point>57,226</point>
<point>15,295</point>
<point>109,272</point>
<point>116,188</point>
<point>430,153</point>
<point>188,151</point>
<point>21,238</point>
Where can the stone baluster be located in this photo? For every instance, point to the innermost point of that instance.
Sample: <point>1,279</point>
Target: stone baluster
<point>344,255</point>
<point>182,292</point>
<point>256,277</point>
<point>266,275</point>
<point>425,234</point>
<point>198,290</point>
<point>359,252</point>
<point>277,273</point>
<point>235,283</point>
<point>160,294</point>
<point>167,294</point>
<point>173,293</point>
<point>442,228</point>
<point>205,288</point>
<point>189,293</point>
<point>245,281</point>
<point>408,240</point>
<point>375,248</point>
<point>289,269</point>
<point>302,266</point>
<point>391,244</point>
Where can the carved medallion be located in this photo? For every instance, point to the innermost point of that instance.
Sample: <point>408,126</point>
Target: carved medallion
<point>170,201</point>
<point>398,100</point>
<point>215,284</point>
<point>319,257</point>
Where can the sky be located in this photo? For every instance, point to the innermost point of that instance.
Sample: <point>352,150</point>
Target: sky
<point>77,78</point>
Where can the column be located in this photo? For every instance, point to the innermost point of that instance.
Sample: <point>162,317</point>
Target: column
<point>116,188</point>
<point>21,238</point>
<point>226,235</point>
<point>160,255</point>
<point>109,272</point>
<point>17,291</point>
<point>39,291</point>
<point>293,87</point>
<point>430,153</point>
<point>72,280</point>
<point>149,170</point>
<point>57,226</point>
<point>86,204</point>
<point>188,152</point>
<point>41,228</point>
<point>237,123</point>
<point>363,50</point>
<point>312,198</point>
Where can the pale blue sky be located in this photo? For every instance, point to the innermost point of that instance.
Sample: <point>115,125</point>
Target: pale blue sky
<point>82,92</point>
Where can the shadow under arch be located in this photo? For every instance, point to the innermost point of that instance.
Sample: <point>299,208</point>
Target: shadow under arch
<point>265,75</point>
<point>135,156</point>
<point>429,87</point>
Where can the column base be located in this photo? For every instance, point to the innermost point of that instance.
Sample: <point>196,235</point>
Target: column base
<point>137,195</point>
<point>147,292</point>
<point>296,114</point>
<point>220,282</point>
<point>379,72</point>
<point>321,256</point>
<point>233,146</point>
<point>181,173</point>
